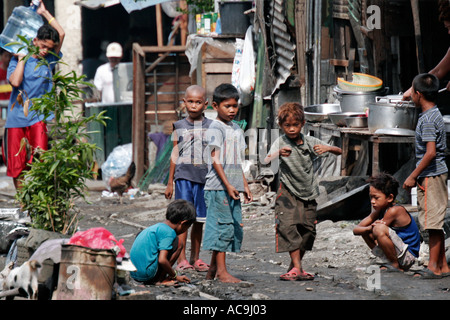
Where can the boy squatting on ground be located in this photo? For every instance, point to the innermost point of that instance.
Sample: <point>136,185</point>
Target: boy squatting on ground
<point>389,230</point>
<point>430,174</point>
<point>224,181</point>
<point>295,206</point>
<point>156,248</point>
<point>189,170</point>
<point>32,79</point>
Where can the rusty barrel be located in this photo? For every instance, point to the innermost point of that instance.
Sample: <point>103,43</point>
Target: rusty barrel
<point>85,274</point>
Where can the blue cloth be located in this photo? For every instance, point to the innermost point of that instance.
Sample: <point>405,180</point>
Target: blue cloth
<point>431,128</point>
<point>192,192</point>
<point>146,247</point>
<point>36,82</point>
<point>223,227</point>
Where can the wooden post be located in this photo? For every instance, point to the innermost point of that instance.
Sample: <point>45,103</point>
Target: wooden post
<point>418,35</point>
<point>159,28</point>
<point>138,125</point>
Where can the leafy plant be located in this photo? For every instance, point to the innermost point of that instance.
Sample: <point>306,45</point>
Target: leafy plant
<point>198,6</point>
<point>57,176</point>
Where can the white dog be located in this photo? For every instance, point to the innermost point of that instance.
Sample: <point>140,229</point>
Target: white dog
<point>25,277</point>
<point>5,272</point>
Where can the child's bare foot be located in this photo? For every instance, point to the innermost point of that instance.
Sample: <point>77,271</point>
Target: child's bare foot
<point>227,278</point>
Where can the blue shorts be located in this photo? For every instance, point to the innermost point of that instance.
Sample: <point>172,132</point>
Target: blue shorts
<point>192,192</point>
<point>223,227</point>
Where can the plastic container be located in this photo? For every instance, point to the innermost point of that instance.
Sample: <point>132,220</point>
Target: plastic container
<point>24,21</point>
<point>232,18</point>
<point>414,196</point>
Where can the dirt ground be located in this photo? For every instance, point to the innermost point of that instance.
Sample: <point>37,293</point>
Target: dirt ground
<point>343,266</point>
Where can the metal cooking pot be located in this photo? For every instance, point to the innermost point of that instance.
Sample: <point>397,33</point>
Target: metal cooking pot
<point>356,101</point>
<point>391,112</point>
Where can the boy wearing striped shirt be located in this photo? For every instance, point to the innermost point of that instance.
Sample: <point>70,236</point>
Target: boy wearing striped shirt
<point>430,174</point>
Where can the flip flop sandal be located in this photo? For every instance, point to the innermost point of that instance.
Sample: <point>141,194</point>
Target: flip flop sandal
<point>201,266</point>
<point>426,274</point>
<point>292,275</point>
<point>184,265</point>
<point>389,268</point>
<point>305,276</point>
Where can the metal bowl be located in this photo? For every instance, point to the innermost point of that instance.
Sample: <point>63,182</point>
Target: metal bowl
<point>338,118</point>
<point>356,121</point>
<point>320,112</point>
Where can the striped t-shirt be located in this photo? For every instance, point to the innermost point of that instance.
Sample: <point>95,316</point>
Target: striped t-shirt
<point>431,127</point>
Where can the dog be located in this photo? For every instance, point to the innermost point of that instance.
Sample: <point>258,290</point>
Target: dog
<point>25,277</point>
<point>5,272</point>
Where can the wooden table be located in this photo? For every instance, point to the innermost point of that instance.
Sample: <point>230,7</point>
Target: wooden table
<point>362,134</point>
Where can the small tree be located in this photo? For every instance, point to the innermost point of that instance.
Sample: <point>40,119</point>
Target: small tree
<point>57,177</point>
<point>198,6</point>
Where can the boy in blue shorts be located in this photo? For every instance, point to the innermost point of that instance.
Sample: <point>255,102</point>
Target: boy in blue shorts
<point>156,248</point>
<point>188,170</point>
<point>224,182</point>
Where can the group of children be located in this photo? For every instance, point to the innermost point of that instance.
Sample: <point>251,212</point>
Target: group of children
<point>206,171</point>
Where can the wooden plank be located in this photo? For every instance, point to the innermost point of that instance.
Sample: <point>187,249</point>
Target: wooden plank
<point>138,126</point>
<point>418,36</point>
<point>339,62</point>
<point>159,28</point>
<point>300,31</point>
<point>160,49</point>
<point>218,67</point>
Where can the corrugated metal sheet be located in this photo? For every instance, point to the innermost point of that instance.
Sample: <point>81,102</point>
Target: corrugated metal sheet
<point>284,48</point>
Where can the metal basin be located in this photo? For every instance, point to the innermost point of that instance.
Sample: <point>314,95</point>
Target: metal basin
<point>338,118</point>
<point>447,123</point>
<point>320,112</point>
<point>356,121</point>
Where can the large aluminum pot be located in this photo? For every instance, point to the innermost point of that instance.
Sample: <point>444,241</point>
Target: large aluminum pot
<point>356,101</point>
<point>391,112</point>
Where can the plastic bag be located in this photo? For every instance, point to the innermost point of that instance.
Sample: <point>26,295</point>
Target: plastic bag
<point>117,163</point>
<point>98,238</point>
<point>247,74</point>
<point>237,62</point>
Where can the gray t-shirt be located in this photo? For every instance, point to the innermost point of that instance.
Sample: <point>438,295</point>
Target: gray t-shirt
<point>296,170</point>
<point>191,137</point>
<point>228,138</point>
<point>431,128</point>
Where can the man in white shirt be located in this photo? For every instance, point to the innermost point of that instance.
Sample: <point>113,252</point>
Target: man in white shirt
<point>106,74</point>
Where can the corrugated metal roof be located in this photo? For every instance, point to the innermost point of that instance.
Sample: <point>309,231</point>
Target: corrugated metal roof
<point>284,48</point>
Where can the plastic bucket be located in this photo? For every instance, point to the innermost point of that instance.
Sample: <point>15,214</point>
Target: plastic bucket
<point>414,196</point>
<point>232,18</point>
<point>85,274</point>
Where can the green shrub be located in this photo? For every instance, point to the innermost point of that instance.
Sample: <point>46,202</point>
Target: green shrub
<point>57,177</point>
